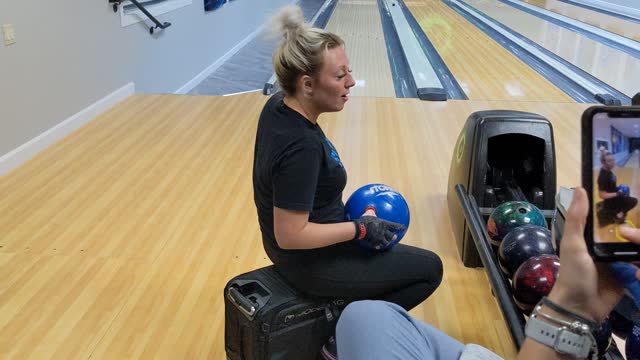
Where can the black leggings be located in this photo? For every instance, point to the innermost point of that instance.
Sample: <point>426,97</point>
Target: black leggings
<point>607,210</point>
<point>404,275</point>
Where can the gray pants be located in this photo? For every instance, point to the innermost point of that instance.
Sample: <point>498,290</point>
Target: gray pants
<point>381,330</point>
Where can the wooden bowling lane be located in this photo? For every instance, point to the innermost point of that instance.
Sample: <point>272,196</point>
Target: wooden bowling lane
<point>358,23</point>
<point>603,21</point>
<point>484,69</point>
<point>634,160</point>
<point>614,67</point>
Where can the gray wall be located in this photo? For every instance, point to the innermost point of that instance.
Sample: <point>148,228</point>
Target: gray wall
<point>71,53</point>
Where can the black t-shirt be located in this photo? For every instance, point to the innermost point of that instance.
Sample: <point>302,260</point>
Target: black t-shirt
<point>295,167</point>
<point>607,181</point>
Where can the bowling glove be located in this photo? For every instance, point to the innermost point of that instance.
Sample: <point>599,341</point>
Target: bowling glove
<point>378,232</point>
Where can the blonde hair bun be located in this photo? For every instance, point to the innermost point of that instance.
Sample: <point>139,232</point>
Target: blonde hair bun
<point>302,51</point>
<point>289,21</point>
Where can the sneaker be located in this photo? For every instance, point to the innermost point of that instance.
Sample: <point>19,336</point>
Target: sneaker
<point>329,350</point>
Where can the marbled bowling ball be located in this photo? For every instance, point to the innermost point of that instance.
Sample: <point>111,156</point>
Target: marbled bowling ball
<point>511,214</point>
<point>522,243</point>
<point>533,280</point>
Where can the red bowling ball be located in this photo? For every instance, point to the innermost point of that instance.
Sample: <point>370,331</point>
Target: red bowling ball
<point>534,279</point>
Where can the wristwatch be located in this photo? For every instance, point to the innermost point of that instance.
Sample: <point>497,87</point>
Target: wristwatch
<point>575,340</point>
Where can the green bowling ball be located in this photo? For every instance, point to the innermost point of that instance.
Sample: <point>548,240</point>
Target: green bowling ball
<point>511,214</point>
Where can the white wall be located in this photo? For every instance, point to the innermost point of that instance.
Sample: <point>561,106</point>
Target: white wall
<point>71,53</point>
<point>602,131</point>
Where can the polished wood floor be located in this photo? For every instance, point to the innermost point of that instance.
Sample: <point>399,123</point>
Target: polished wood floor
<point>117,241</point>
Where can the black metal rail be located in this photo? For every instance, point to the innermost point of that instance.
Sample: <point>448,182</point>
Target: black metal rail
<point>158,24</point>
<point>513,317</point>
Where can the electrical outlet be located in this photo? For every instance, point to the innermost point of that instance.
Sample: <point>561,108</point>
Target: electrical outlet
<point>9,34</point>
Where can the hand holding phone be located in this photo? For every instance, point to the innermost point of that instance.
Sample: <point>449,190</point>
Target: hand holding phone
<point>611,177</point>
<point>627,276</point>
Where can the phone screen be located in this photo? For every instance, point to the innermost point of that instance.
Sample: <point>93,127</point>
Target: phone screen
<point>616,175</point>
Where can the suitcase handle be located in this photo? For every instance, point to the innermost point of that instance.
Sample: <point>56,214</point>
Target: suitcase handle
<point>245,305</point>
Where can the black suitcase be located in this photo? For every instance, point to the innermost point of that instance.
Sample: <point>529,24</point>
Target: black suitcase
<point>266,318</point>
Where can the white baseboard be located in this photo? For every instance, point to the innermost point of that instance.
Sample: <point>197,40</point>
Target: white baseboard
<point>31,148</point>
<point>213,67</point>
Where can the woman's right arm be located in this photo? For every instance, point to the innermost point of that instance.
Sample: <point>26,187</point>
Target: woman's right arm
<point>607,195</point>
<point>293,231</point>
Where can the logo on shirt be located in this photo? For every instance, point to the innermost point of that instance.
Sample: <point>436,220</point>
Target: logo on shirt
<point>334,153</point>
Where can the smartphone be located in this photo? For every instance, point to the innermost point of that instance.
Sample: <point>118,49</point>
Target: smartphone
<point>611,177</point>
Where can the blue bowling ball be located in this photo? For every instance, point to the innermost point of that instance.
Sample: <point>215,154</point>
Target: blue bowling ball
<point>388,204</point>
<point>632,344</point>
<point>522,243</point>
<point>624,190</point>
